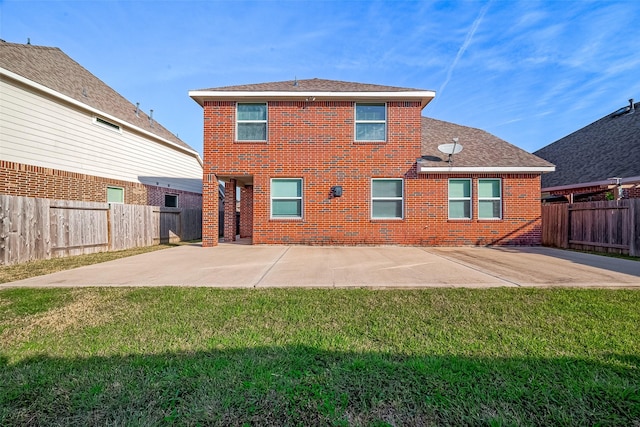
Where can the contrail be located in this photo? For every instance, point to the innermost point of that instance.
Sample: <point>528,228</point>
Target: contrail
<point>463,48</point>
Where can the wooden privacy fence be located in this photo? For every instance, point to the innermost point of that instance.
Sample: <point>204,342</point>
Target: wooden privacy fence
<point>611,226</point>
<point>32,229</point>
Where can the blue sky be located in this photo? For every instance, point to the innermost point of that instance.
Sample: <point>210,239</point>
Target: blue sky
<point>529,72</point>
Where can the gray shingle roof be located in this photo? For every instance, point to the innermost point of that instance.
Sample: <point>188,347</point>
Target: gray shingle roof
<point>480,148</point>
<point>609,147</point>
<point>51,67</point>
<point>311,85</point>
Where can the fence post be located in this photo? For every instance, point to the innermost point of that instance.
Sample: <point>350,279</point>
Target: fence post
<point>634,227</point>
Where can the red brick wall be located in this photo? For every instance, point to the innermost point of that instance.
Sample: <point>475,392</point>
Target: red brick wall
<point>315,141</point>
<point>246,211</point>
<point>17,179</point>
<point>210,206</point>
<point>230,211</point>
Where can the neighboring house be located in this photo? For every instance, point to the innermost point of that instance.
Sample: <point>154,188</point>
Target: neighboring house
<point>65,134</point>
<point>329,162</point>
<point>589,160</point>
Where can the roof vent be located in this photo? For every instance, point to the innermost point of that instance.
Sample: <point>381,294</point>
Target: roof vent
<point>295,81</point>
<point>151,117</point>
<point>624,110</point>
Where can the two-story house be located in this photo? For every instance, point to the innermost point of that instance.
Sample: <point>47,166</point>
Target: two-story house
<point>327,162</point>
<point>65,134</point>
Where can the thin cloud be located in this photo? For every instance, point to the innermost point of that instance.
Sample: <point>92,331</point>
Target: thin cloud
<point>465,45</point>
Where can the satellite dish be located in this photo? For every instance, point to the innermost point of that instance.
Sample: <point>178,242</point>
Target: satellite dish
<point>450,149</point>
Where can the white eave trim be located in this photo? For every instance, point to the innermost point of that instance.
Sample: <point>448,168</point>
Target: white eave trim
<point>608,182</point>
<point>488,169</point>
<point>86,107</point>
<point>200,96</point>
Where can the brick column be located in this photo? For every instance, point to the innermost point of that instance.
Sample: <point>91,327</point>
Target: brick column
<point>210,194</point>
<point>230,211</point>
<point>246,211</point>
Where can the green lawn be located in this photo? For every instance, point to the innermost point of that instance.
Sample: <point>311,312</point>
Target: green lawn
<point>200,356</point>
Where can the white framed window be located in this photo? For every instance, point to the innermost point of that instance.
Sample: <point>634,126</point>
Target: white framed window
<point>115,195</point>
<point>286,197</point>
<point>490,198</point>
<point>387,201</point>
<point>371,121</point>
<point>459,198</point>
<point>170,200</point>
<point>107,124</point>
<point>251,121</point>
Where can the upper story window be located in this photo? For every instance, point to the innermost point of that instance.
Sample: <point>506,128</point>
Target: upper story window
<point>489,199</point>
<point>459,199</point>
<point>251,121</point>
<point>387,198</point>
<point>371,122</point>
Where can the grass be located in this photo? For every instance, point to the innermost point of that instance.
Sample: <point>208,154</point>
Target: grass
<point>202,356</point>
<point>26,270</point>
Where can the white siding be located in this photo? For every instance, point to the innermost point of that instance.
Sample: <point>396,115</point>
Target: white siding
<point>40,131</point>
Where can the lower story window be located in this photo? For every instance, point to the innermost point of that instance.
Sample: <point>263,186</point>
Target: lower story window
<point>171,200</point>
<point>459,199</point>
<point>489,199</point>
<point>387,198</point>
<point>286,198</point>
<point>115,195</point>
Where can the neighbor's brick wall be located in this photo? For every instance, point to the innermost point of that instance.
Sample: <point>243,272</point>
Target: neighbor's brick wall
<point>186,199</point>
<point>315,141</point>
<point>17,179</point>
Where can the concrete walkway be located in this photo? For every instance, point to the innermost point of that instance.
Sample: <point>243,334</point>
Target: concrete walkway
<point>246,266</point>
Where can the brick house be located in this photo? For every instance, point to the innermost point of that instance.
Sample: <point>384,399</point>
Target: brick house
<point>327,162</point>
<point>588,158</point>
<point>66,135</point>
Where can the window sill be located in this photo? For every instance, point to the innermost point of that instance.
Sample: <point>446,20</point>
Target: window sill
<point>286,219</point>
<point>250,142</point>
<point>369,142</point>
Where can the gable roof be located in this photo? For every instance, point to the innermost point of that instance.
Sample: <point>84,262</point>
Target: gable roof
<point>607,148</point>
<point>482,151</point>
<point>319,89</point>
<point>52,68</point>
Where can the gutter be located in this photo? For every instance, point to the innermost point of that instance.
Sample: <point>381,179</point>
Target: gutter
<point>485,169</point>
<point>424,96</point>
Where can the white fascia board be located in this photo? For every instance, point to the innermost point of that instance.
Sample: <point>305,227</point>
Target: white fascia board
<point>608,182</point>
<point>488,169</point>
<point>90,109</point>
<point>200,96</point>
